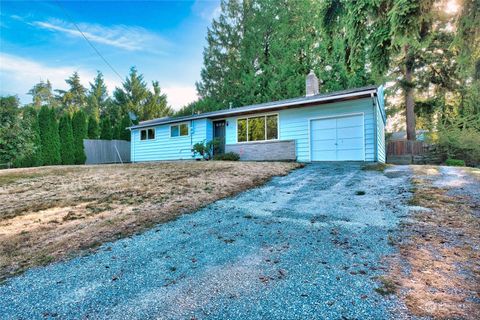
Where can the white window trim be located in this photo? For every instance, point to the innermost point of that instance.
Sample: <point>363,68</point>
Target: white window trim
<point>178,125</point>
<point>146,134</point>
<point>256,116</point>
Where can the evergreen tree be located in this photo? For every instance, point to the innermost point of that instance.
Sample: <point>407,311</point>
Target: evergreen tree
<point>66,140</point>
<point>93,128</point>
<point>75,98</point>
<point>106,129</point>
<point>97,99</point>
<point>33,158</point>
<point>42,94</point>
<point>156,104</point>
<point>49,137</point>
<point>79,126</point>
<point>133,95</point>
<point>16,139</point>
<point>122,133</point>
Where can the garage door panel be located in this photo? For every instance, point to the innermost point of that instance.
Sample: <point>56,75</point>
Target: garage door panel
<point>350,132</point>
<point>324,134</point>
<point>350,154</point>
<point>324,124</point>
<point>337,139</point>
<point>350,143</point>
<point>325,155</point>
<point>324,145</point>
<point>351,121</point>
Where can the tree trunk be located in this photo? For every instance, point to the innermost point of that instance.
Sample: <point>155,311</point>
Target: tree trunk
<point>408,92</point>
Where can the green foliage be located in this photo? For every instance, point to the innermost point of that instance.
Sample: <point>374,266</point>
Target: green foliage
<point>122,133</point>
<point>106,132</point>
<point>134,96</point>
<point>79,126</point>
<point>198,149</point>
<point>33,157</point>
<point>93,127</point>
<point>75,98</point>
<point>454,142</point>
<point>42,94</point>
<point>50,139</point>
<point>205,149</point>
<point>16,138</point>
<point>97,99</point>
<point>67,150</point>
<point>455,162</point>
<point>228,156</point>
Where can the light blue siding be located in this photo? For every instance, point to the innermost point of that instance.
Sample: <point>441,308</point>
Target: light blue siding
<point>294,124</point>
<point>164,147</point>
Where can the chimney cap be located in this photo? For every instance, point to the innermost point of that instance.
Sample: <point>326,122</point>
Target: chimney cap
<point>311,84</point>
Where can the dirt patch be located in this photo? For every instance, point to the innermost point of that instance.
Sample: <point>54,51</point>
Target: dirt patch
<point>437,270</point>
<point>50,213</point>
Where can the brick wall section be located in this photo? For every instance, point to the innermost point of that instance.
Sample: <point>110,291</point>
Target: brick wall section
<point>264,151</point>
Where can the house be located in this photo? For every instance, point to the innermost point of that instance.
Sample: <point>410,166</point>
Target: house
<point>339,126</point>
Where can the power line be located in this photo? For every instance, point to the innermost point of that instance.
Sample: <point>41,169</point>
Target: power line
<point>88,41</point>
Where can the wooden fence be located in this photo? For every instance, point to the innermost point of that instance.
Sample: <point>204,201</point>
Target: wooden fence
<point>106,151</point>
<point>406,147</point>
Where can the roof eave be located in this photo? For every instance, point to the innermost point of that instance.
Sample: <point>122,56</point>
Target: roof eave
<point>285,105</point>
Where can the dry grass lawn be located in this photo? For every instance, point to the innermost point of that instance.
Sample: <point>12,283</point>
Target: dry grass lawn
<point>51,213</point>
<point>438,265</point>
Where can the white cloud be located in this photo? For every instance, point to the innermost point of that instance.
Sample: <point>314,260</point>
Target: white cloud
<point>129,38</point>
<point>180,95</point>
<point>207,10</point>
<point>18,75</point>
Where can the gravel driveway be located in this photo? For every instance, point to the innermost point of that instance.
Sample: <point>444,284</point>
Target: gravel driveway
<point>307,245</point>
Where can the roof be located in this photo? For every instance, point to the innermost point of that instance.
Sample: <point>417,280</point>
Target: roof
<point>349,94</point>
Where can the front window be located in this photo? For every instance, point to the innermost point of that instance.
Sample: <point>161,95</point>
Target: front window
<point>179,130</point>
<point>147,134</point>
<point>259,128</point>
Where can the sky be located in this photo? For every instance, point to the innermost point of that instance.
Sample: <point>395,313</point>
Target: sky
<point>164,40</point>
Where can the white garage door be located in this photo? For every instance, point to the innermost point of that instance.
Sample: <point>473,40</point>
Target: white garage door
<point>337,139</point>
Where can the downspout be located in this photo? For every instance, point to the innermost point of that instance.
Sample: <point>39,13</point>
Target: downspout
<point>132,146</point>
<point>191,139</point>
<point>375,129</point>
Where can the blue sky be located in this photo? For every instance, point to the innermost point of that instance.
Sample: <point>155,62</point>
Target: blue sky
<point>163,39</point>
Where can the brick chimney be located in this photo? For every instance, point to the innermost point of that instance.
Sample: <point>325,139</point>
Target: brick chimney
<point>311,84</point>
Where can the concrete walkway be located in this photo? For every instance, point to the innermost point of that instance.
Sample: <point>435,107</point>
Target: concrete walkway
<point>305,246</point>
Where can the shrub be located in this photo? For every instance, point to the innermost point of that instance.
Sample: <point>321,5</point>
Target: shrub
<point>199,149</point>
<point>229,156</point>
<point>205,149</point>
<point>455,162</point>
<point>459,141</point>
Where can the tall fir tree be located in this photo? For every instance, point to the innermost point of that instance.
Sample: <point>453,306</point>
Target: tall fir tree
<point>75,98</point>
<point>34,158</point>
<point>93,127</point>
<point>133,94</point>
<point>79,126</point>
<point>66,140</point>
<point>49,136</point>
<point>42,94</point>
<point>106,132</point>
<point>97,99</point>
<point>122,133</point>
